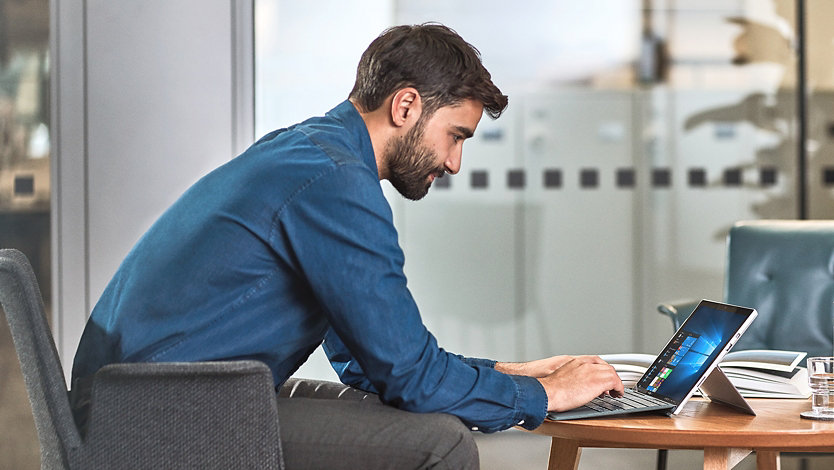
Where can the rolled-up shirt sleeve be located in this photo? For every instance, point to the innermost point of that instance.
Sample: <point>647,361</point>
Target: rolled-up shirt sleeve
<point>345,244</point>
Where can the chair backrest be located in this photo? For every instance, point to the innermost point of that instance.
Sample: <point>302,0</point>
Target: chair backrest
<point>785,270</point>
<point>42,372</point>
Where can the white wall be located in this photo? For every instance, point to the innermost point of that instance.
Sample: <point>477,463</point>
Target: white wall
<point>149,95</point>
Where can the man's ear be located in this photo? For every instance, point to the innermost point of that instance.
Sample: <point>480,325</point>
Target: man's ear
<point>406,106</point>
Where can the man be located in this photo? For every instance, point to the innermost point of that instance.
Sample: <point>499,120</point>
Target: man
<point>292,243</point>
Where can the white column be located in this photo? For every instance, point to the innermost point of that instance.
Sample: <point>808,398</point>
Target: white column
<point>149,95</point>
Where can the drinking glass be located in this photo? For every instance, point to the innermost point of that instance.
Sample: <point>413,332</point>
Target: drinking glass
<point>821,379</point>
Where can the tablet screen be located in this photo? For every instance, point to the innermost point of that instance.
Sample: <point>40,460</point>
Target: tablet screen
<point>694,347</point>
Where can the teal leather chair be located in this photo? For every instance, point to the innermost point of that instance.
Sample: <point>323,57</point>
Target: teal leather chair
<point>785,270</point>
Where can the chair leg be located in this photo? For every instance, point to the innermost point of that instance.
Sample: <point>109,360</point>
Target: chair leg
<point>662,456</point>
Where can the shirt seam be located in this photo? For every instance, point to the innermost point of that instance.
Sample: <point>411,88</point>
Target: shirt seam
<point>222,316</point>
<point>292,198</point>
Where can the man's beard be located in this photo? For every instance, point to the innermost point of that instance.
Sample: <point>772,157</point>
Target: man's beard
<point>411,163</point>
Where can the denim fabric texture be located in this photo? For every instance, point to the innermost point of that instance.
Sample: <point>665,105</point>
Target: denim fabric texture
<point>287,245</point>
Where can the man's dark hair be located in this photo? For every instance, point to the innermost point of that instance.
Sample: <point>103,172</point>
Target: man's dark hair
<point>431,58</point>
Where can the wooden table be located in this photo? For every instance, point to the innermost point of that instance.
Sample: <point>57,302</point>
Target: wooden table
<point>726,436</point>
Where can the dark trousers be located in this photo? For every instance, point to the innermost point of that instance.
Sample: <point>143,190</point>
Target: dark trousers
<point>332,426</point>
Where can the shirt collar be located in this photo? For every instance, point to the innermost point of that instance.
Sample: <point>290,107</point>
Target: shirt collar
<point>347,114</point>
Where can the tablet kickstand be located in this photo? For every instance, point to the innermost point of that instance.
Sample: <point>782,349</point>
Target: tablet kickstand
<point>718,388</point>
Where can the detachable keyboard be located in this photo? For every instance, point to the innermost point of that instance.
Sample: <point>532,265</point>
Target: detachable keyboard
<point>632,401</point>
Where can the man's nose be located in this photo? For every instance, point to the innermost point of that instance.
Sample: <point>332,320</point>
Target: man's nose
<point>453,164</point>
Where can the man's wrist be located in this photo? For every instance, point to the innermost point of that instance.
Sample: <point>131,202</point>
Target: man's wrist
<point>512,368</point>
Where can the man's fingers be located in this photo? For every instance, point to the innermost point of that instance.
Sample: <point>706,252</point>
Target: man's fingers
<point>578,381</point>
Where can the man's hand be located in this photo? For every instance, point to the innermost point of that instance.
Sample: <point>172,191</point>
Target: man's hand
<point>569,381</point>
<point>578,381</point>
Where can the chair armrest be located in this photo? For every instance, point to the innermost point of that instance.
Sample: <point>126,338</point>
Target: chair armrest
<point>183,415</point>
<point>678,310</point>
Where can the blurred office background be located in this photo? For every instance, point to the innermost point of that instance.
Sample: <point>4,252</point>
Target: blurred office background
<point>638,131</point>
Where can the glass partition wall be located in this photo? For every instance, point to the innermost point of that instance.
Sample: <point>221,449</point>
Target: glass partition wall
<point>637,133</point>
<point>24,196</point>
<point>24,132</point>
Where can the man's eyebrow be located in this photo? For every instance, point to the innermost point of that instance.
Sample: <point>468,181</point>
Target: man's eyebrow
<point>467,132</point>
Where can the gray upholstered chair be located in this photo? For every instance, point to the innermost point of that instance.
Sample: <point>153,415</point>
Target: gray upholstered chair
<point>785,270</point>
<point>164,415</point>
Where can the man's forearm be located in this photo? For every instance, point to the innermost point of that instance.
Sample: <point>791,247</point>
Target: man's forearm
<point>538,368</point>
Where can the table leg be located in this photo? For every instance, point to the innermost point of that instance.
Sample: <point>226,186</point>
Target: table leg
<point>720,458</point>
<point>564,454</point>
<point>768,460</point>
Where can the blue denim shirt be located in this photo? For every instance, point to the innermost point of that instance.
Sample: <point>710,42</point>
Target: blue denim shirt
<point>287,245</point>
